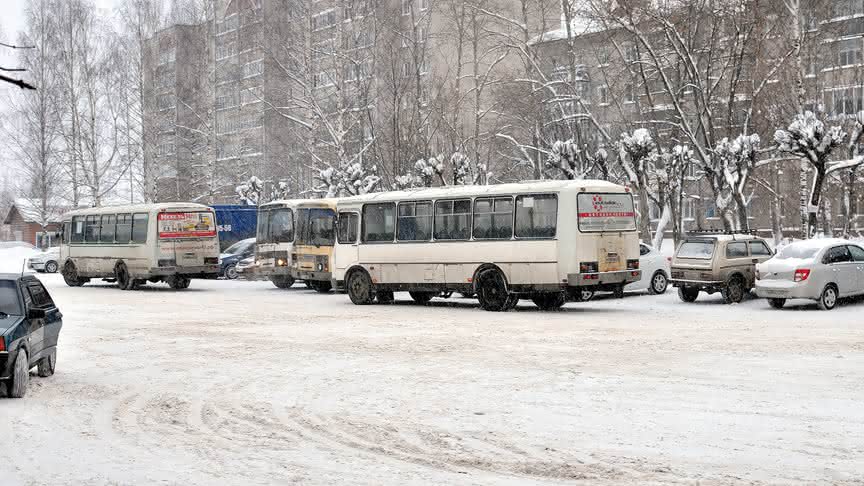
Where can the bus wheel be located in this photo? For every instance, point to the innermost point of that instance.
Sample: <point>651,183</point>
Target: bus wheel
<point>283,282</point>
<point>549,301</point>
<point>124,278</point>
<point>179,283</point>
<point>422,297</point>
<point>492,291</point>
<point>322,287</point>
<point>70,275</point>
<point>360,288</point>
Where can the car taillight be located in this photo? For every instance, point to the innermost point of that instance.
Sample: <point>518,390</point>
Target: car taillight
<point>2,343</point>
<point>802,274</point>
<point>588,267</point>
<point>632,264</point>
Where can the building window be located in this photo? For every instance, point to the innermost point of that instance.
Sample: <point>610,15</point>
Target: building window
<point>406,7</point>
<point>324,20</point>
<point>844,101</point>
<point>227,25</point>
<point>629,93</point>
<point>406,69</point>
<point>630,54</point>
<point>421,35</point>
<point>225,47</point>
<point>165,101</point>
<point>167,56</point>
<point>602,56</point>
<point>846,8</point>
<point>849,52</point>
<point>603,94</point>
<point>250,95</point>
<point>253,68</point>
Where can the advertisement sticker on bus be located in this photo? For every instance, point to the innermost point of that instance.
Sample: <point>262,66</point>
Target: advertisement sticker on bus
<point>187,225</point>
<point>606,212</point>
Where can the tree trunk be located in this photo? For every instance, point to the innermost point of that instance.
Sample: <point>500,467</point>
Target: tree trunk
<point>644,214</point>
<point>815,202</point>
<point>741,206</point>
<point>850,204</point>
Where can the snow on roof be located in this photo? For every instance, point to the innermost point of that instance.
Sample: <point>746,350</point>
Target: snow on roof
<point>578,26</point>
<point>301,202</point>
<point>31,211</point>
<point>131,208</point>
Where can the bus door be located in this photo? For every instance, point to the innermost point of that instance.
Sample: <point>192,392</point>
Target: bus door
<point>187,237</point>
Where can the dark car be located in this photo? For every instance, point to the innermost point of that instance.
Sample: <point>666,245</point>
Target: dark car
<point>233,255</point>
<point>29,326</point>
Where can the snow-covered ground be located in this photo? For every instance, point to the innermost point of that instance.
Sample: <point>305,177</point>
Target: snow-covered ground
<point>242,383</point>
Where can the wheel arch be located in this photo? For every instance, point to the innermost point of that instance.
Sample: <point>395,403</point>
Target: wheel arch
<point>484,267</point>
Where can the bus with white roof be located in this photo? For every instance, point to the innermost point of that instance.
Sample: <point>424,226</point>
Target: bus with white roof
<point>545,241</point>
<point>135,244</point>
<point>295,242</point>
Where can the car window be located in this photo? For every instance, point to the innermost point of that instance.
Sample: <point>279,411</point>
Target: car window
<point>702,249</point>
<point>838,254</point>
<point>39,297</point>
<point>9,298</point>
<point>644,250</point>
<point>759,248</point>
<point>857,253</point>
<point>736,250</point>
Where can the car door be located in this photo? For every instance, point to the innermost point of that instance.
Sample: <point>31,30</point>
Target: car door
<point>47,328</point>
<point>842,269</point>
<point>738,259</point>
<point>36,334</point>
<point>858,257</point>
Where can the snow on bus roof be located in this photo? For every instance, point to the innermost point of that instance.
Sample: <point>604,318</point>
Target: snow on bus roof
<point>301,202</point>
<point>487,190</point>
<point>131,208</point>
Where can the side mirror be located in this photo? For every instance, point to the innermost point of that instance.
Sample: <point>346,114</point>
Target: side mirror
<point>36,314</point>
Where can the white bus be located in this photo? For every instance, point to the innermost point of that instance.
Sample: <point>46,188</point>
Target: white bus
<point>295,242</point>
<point>546,241</point>
<point>130,245</point>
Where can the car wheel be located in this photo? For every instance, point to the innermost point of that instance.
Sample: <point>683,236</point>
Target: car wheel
<point>659,283</point>
<point>422,297</point>
<point>51,267</point>
<point>283,282</point>
<point>585,295</point>
<point>688,294</point>
<point>492,291</point>
<point>549,301</point>
<point>20,375</point>
<point>360,288</point>
<point>70,275</point>
<point>777,303</point>
<point>46,365</point>
<point>733,292</point>
<point>231,272</point>
<point>828,299</point>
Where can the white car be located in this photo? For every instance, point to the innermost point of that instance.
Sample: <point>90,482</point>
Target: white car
<point>822,270</point>
<point>46,261</point>
<point>655,273</point>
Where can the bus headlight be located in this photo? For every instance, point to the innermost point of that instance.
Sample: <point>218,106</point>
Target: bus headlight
<point>280,262</point>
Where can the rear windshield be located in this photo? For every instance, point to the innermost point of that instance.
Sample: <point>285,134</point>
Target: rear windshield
<point>797,252</point>
<point>605,212</point>
<point>9,298</point>
<point>696,249</point>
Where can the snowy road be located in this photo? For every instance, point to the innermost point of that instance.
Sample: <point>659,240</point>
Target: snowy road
<point>241,383</point>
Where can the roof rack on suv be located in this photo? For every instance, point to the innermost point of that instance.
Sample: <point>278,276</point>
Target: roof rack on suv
<point>719,232</point>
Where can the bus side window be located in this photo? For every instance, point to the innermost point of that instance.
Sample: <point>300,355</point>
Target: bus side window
<point>453,220</point>
<point>124,229</point>
<point>139,227</point>
<point>493,218</point>
<point>107,233</point>
<point>91,229</point>
<point>379,222</point>
<point>348,228</point>
<point>77,234</point>
<point>415,221</point>
<point>536,216</point>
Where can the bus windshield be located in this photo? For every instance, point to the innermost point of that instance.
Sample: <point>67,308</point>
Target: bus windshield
<point>605,212</point>
<point>280,227</point>
<point>316,226</point>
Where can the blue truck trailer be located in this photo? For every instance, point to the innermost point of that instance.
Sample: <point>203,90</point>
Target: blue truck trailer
<point>234,223</point>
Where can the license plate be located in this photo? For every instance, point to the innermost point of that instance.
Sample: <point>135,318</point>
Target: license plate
<point>611,258</point>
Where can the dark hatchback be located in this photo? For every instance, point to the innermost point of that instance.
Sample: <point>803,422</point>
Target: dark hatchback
<point>29,326</point>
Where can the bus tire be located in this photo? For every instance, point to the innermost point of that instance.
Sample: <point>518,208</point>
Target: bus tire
<point>492,291</point>
<point>321,286</point>
<point>283,281</point>
<point>360,288</point>
<point>124,279</point>
<point>177,282</point>
<point>20,375</point>
<point>549,301</point>
<point>420,297</point>
<point>70,275</point>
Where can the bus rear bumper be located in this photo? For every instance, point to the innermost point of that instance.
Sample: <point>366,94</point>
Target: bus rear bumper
<point>603,280</point>
<point>310,275</point>
<point>203,271</point>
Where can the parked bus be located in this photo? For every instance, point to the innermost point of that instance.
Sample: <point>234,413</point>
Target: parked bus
<point>131,245</point>
<point>546,241</point>
<point>295,242</point>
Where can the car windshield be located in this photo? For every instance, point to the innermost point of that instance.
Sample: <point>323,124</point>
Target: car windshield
<point>798,252</point>
<point>238,247</point>
<point>696,249</point>
<point>9,298</point>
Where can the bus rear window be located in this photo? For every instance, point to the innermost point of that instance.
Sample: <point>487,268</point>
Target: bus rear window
<point>696,249</point>
<point>199,224</point>
<point>605,212</point>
